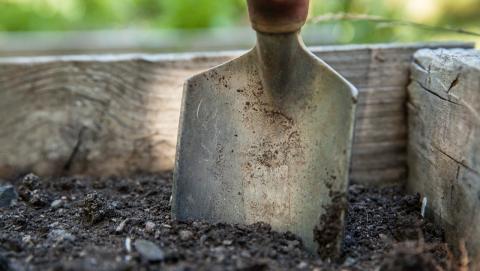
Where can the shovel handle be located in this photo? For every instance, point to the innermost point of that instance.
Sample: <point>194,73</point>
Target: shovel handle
<point>277,16</point>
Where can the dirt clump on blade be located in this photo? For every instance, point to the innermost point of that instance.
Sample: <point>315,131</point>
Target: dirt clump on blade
<point>86,223</point>
<point>328,233</point>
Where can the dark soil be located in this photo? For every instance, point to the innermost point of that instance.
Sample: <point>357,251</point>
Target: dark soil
<point>81,223</point>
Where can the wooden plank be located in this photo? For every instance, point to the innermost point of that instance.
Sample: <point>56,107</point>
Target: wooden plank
<point>379,177</point>
<point>444,141</point>
<point>103,115</point>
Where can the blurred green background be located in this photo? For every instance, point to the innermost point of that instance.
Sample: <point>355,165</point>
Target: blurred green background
<point>20,16</point>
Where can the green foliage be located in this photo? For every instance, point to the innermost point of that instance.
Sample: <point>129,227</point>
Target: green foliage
<point>70,15</point>
<point>457,13</point>
<point>35,15</point>
<point>201,13</point>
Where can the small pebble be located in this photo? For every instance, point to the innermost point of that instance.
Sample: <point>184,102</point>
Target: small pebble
<point>61,235</point>
<point>29,258</point>
<point>349,261</point>
<point>227,242</point>
<point>424,206</point>
<point>185,235</point>
<point>245,254</point>
<point>149,226</point>
<point>27,239</point>
<point>302,265</point>
<point>383,237</point>
<point>38,198</point>
<point>203,238</point>
<point>293,244</point>
<point>31,181</point>
<point>149,251</point>
<point>122,225</point>
<point>56,204</point>
<point>128,244</point>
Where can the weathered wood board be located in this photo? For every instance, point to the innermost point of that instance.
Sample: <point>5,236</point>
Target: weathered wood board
<point>103,115</point>
<point>444,141</point>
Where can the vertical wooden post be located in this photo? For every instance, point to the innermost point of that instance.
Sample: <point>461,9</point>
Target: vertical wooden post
<point>444,141</point>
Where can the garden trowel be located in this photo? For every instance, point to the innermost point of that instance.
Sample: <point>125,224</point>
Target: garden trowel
<point>267,137</point>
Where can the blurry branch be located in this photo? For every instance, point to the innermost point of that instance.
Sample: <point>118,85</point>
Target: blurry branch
<point>333,17</point>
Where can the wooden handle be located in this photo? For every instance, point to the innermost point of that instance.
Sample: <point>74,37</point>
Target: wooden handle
<point>278,16</point>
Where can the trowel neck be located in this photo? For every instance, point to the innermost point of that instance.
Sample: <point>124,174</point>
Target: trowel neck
<point>277,56</point>
<point>276,49</point>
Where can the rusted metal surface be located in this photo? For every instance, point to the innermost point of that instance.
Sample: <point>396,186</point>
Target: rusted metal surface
<point>278,16</point>
<point>267,138</point>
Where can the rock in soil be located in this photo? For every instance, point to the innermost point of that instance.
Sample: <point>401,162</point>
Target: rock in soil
<point>60,235</point>
<point>149,226</point>
<point>96,208</point>
<point>8,196</point>
<point>56,204</point>
<point>122,225</point>
<point>84,233</point>
<point>31,181</point>
<point>328,230</point>
<point>185,235</point>
<point>30,191</point>
<point>149,251</point>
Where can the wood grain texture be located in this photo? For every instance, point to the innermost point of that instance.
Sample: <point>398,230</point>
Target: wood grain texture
<point>103,115</point>
<point>444,141</point>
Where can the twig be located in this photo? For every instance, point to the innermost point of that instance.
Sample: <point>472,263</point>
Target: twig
<point>331,17</point>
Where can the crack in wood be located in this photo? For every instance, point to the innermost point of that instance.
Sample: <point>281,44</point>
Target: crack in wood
<point>458,173</point>
<point>435,94</point>
<point>75,150</point>
<point>454,83</point>
<point>461,163</point>
<point>419,65</point>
